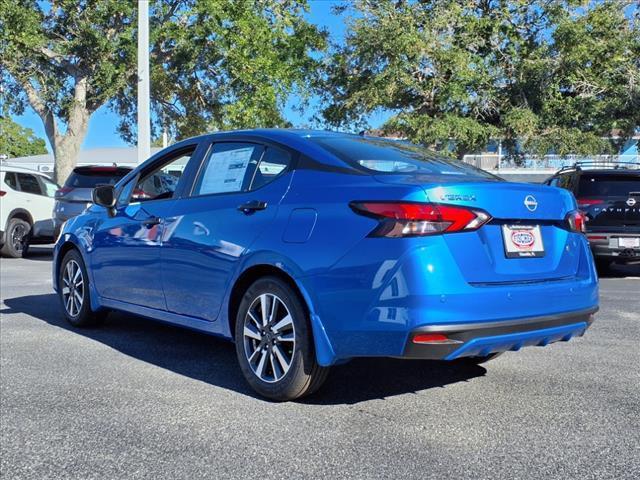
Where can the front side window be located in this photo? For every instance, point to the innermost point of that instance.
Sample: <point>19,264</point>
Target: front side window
<point>49,187</point>
<point>228,168</point>
<point>160,183</point>
<point>29,183</point>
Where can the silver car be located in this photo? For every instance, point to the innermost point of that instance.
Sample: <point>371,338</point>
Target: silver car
<point>75,196</point>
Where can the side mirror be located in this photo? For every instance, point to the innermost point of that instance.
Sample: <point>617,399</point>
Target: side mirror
<point>104,196</point>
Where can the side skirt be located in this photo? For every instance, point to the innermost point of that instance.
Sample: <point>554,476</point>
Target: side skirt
<point>197,324</point>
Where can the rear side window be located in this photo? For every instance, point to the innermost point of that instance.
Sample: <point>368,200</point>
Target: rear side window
<point>380,156</point>
<point>92,178</point>
<point>10,179</point>
<point>272,164</point>
<point>29,183</point>
<point>608,185</point>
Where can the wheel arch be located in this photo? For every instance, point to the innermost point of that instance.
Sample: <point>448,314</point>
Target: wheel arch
<point>323,349</point>
<point>69,243</point>
<point>249,276</point>
<point>20,213</point>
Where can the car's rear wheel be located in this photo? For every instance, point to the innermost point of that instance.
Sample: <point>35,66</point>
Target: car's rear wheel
<point>73,289</point>
<point>274,342</point>
<point>16,238</point>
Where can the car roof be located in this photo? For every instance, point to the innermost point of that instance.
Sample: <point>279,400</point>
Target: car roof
<point>6,167</point>
<point>610,171</point>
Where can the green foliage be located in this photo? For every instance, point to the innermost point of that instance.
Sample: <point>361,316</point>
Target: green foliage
<point>220,64</point>
<point>52,47</point>
<point>551,74</point>
<point>17,141</point>
<point>215,64</point>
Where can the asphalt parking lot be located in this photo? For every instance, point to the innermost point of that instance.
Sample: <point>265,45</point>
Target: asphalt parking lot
<point>136,399</point>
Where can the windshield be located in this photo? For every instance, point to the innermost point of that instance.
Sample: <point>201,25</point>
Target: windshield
<point>608,185</point>
<point>92,179</point>
<point>381,156</point>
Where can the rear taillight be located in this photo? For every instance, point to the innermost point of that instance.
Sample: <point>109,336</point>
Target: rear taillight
<point>409,219</point>
<point>577,221</point>
<point>587,202</point>
<point>2,193</point>
<point>63,191</point>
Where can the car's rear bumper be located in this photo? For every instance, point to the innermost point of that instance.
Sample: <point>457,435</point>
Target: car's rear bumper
<point>606,245</point>
<point>483,338</point>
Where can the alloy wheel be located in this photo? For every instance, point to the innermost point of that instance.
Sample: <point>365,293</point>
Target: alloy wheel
<point>73,288</point>
<point>17,237</point>
<point>269,338</point>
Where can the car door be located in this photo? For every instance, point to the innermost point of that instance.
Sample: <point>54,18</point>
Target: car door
<point>126,255</point>
<point>234,199</point>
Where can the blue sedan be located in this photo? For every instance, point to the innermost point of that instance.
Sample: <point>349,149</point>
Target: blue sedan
<point>309,248</point>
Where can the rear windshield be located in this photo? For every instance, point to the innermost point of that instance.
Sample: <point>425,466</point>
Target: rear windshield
<point>89,179</point>
<point>608,185</point>
<point>380,156</point>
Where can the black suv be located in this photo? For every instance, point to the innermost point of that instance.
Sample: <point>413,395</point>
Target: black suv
<point>609,196</point>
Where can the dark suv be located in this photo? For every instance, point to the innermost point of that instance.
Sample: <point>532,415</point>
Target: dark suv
<point>609,195</point>
<point>75,195</point>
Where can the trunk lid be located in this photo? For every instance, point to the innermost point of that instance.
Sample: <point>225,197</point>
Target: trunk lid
<point>481,255</point>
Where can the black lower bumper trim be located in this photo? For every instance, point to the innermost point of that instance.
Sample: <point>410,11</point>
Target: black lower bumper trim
<point>463,332</point>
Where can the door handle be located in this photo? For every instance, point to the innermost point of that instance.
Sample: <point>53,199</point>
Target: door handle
<point>150,222</point>
<point>252,206</point>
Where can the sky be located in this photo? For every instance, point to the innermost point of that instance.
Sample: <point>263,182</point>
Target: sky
<point>103,123</point>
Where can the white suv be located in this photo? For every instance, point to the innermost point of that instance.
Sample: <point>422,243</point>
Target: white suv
<point>26,206</point>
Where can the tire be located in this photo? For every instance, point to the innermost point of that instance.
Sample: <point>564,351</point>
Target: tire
<point>15,236</point>
<point>478,360</point>
<point>73,291</point>
<point>26,243</point>
<point>603,265</point>
<point>275,351</point>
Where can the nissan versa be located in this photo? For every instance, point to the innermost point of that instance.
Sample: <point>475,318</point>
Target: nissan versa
<point>310,248</point>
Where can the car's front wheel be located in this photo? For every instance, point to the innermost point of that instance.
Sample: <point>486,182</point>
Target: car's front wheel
<point>274,342</point>
<point>73,289</point>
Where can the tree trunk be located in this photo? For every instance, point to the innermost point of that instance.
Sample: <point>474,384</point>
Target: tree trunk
<point>65,147</point>
<point>65,153</point>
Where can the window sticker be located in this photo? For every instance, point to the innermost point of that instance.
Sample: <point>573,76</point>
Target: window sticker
<point>226,170</point>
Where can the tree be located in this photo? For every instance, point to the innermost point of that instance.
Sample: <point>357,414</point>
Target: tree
<point>545,74</point>
<point>65,59</point>
<point>214,64</point>
<point>221,64</point>
<point>17,141</point>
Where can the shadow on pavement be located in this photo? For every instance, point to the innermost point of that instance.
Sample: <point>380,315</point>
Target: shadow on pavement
<point>620,271</point>
<point>40,253</point>
<point>212,360</point>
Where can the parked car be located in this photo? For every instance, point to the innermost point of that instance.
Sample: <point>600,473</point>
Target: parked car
<point>75,194</point>
<point>610,198</point>
<point>26,203</point>
<point>311,248</point>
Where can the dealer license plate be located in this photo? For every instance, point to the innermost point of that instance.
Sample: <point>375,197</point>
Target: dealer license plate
<point>522,241</point>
